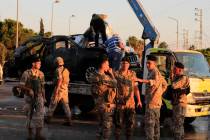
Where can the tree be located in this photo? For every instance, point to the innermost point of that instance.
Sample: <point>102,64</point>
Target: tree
<point>137,44</point>
<point>206,53</point>
<point>192,47</point>
<point>41,32</point>
<point>48,34</point>
<point>163,45</point>
<point>132,41</point>
<point>3,53</point>
<point>8,33</point>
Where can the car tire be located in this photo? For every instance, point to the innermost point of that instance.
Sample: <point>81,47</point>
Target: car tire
<point>89,72</point>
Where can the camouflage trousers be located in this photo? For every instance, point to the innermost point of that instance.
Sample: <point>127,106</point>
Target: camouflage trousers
<point>35,116</point>
<point>124,117</point>
<point>178,122</point>
<point>105,125</point>
<point>65,103</point>
<point>152,124</point>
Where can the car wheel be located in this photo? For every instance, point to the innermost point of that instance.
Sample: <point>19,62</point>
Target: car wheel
<point>89,72</point>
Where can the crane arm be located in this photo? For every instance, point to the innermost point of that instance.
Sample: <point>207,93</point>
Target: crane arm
<point>149,32</point>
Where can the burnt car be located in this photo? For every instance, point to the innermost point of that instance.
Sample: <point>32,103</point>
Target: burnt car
<point>79,58</point>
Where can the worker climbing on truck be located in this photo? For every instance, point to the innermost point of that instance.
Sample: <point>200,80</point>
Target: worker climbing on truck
<point>99,26</point>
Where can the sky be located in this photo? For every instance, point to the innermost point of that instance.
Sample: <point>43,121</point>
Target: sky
<point>120,16</point>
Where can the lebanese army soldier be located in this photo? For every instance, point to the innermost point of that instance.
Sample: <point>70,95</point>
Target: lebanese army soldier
<point>180,85</point>
<point>155,87</point>
<point>60,93</point>
<point>104,91</point>
<point>125,103</point>
<point>33,80</point>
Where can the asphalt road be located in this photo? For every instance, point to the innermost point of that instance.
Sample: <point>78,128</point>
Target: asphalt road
<point>12,123</point>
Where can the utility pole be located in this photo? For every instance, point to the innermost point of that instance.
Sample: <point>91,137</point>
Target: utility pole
<point>199,18</point>
<point>52,12</point>
<point>186,38</point>
<point>17,26</point>
<point>70,18</point>
<point>177,31</point>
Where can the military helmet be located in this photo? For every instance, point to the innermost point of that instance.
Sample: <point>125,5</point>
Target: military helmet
<point>59,61</point>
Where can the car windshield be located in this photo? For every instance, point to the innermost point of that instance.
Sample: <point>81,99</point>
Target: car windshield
<point>195,64</point>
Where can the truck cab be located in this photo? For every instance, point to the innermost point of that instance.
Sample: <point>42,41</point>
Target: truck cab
<point>197,68</point>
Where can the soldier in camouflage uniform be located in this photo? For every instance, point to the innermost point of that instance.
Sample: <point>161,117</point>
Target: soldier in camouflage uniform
<point>125,103</point>
<point>60,92</point>
<point>180,83</point>
<point>104,91</point>
<point>33,80</point>
<point>155,87</point>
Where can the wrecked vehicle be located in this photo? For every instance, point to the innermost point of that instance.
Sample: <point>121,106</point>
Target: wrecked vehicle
<point>79,59</point>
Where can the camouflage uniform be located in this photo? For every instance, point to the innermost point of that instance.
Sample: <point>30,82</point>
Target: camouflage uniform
<point>125,106</point>
<point>34,107</point>
<point>154,90</point>
<point>179,107</point>
<point>104,91</point>
<point>61,74</point>
<point>1,73</point>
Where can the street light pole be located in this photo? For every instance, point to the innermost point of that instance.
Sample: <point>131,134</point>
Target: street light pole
<point>17,26</point>
<point>177,32</point>
<point>52,12</point>
<point>70,23</point>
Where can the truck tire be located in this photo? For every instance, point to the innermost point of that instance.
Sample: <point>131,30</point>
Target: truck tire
<point>88,72</point>
<point>189,120</point>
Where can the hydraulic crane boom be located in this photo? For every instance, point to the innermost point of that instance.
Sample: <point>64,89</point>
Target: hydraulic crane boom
<point>149,32</point>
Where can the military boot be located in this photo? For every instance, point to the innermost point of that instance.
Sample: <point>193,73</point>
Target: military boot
<point>68,122</point>
<point>30,133</point>
<point>38,134</point>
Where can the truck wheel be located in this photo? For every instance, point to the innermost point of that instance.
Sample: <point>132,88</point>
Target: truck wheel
<point>87,105</point>
<point>189,120</point>
<point>89,71</point>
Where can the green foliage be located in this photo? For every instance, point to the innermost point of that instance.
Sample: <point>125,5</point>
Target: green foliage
<point>41,32</point>
<point>8,33</point>
<point>3,52</point>
<point>206,53</point>
<point>163,45</point>
<point>48,34</point>
<point>137,44</point>
<point>192,47</point>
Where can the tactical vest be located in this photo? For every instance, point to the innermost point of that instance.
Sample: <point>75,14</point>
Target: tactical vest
<point>124,81</point>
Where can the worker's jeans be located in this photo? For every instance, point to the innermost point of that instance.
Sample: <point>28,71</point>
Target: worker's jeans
<point>114,59</point>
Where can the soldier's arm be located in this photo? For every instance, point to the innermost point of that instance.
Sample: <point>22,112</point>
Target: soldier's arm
<point>59,82</point>
<point>136,89</point>
<point>154,81</point>
<point>43,87</point>
<point>26,90</point>
<point>181,83</point>
<point>137,94</point>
